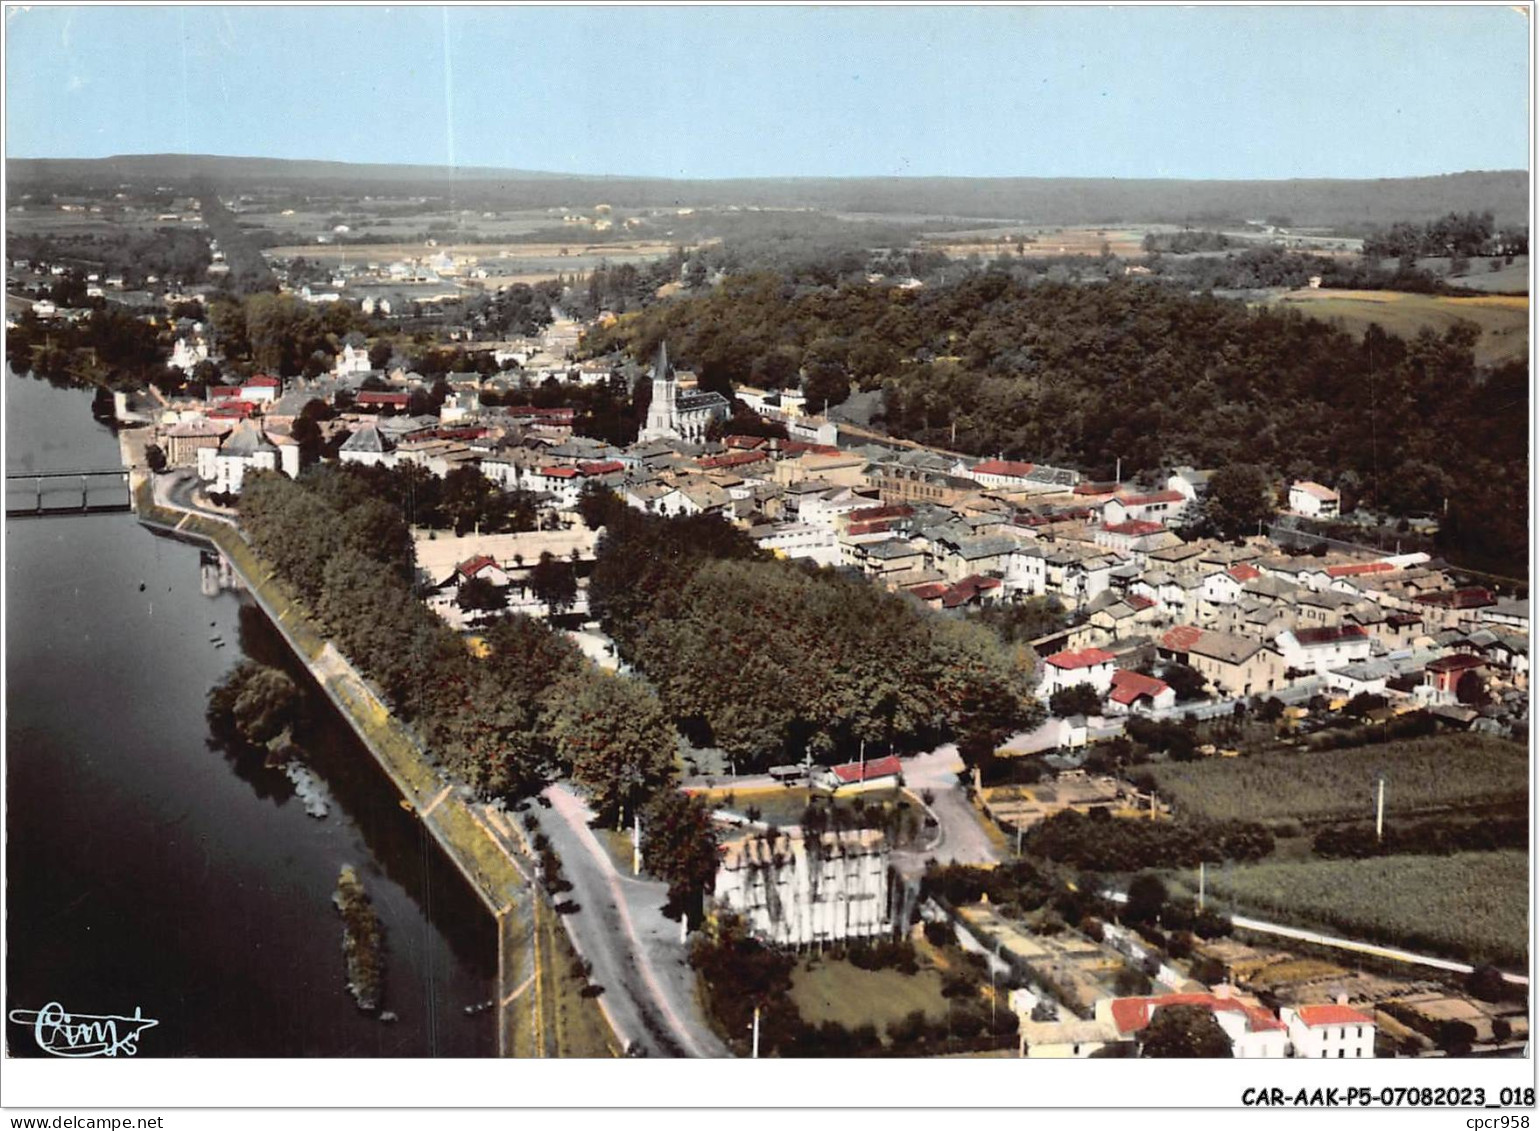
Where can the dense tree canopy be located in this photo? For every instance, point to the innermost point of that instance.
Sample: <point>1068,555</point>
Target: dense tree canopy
<point>1083,375</point>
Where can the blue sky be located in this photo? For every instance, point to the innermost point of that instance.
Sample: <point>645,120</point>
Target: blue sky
<point>1261,92</point>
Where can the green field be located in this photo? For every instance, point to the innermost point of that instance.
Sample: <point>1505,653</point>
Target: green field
<point>1504,319</point>
<point>1471,906</point>
<point>825,990</point>
<point>1421,775</point>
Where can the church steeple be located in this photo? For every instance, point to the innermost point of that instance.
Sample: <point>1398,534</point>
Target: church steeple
<point>661,371</point>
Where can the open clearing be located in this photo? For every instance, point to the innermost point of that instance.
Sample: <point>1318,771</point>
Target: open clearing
<point>1503,319</point>
<point>1471,906</point>
<point>837,991</point>
<point>1422,775</point>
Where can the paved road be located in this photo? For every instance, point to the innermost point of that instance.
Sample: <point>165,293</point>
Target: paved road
<point>964,837</point>
<point>1262,926</point>
<point>636,953</point>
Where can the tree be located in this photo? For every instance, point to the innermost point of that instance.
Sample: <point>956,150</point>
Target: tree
<point>1146,899</point>
<point>596,503</point>
<point>255,702</point>
<point>679,844</point>
<point>554,583</point>
<point>155,457</point>
<point>479,595</point>
<point>1240,497</point>
<point>613,734</point>
<point>1184,1031</point>
<point>1186,681</point>
<point>1076,699</point>
<point>1486,983</point>
<point>1472,690</point>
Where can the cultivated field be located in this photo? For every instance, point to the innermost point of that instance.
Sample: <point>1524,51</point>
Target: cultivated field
<point>1422,775</point>
<point>1472,906</point>
<point>1039,241</point>
<point>1503,319</point>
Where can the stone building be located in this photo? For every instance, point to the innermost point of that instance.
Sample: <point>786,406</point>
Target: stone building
<point>677,414</point>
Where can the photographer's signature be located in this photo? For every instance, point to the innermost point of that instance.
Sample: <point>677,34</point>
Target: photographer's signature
<point>83,1034</point>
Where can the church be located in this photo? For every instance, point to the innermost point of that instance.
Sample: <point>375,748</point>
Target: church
<point>676,415</point>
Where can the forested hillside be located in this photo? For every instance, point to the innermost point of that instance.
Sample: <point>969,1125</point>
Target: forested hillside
<point>1084,375</point>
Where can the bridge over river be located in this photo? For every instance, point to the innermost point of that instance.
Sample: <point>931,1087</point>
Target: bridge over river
<point>41,494</point>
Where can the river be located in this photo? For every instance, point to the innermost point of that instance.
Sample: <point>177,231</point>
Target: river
<point>148,869</point>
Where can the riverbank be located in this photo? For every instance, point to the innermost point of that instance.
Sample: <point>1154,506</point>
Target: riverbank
<point>540,1023</point>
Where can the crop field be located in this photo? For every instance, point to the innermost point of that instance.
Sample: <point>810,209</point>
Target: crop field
<point>1421,775</point>
<point>1472,906</point>
<point>1503,319</point>
<point>1039,241</point>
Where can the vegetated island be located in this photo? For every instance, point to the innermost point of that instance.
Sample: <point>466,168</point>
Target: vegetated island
<point>363,940</point>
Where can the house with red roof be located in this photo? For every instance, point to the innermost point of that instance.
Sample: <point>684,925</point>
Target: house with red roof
<point>1444,675</point>
<point>873,773</point>
<point>1136,694</point>
<point>1135,536</point>
<point>1329,1032</point>
<point>999,473</point>
<point>1225,586</point>
<point>1163,507</point>
<point>1321,650</point>
<point>373,400</point>
<point>1255,1034</point>
<point>262,389</point>
<point>1069,668</point>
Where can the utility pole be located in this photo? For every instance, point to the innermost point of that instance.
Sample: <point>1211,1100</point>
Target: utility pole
<point>1379,811</point>
<point>1117,476</point>
<point>756,1033</point>
<point>1201,885</point>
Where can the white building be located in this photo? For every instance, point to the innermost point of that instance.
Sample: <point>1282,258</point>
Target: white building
<point>794,890</point>
<point>802,540</point>
<point>368,446</point>
<point>1320,650</point>
<point>187,353</point>
<point>1313,500</point>
<point>352,359</point>
<point>1329,1032</point>
<point>224,468</point>
<point>1066,669</point>
<point>676,415</point>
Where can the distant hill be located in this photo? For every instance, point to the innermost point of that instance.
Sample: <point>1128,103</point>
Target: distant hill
<point>1305,203</point>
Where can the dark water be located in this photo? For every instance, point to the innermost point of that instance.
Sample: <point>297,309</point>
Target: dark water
<point>147,869</point>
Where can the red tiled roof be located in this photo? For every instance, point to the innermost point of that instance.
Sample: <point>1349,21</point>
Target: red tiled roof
<point>930,590</point>
<point>1087,658</point>
<point>1181,638</point>
<point>870,514</point>
<point>232,409</point>
<point>1138,603</point>
<point>868,527</point>
<point>1314,1015</point>
<point>1008,467</point>
<point>1244,572</point>
<point>601,467</point>
<point>219,392</point>
<point>731,459</point>
<point>559,472</point>
<point>1136,527</point>
<point>1153,497</point>
<point>374,396</point>
<point>1128,686</point>
<point>744,442</point>
<point>850,772</point>
<point>1359,568</point>
<point>1130,1014</point>
<point>475,565</point>
<point>1311,636</point>
<point>967,589</point>
<point>1095,488</point>
<point>1315,490</point>
<point>263,381</point>
<point>1473,598</point>
<point>803,447</point>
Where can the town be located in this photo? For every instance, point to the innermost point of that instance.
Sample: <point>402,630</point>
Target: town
<point>1171,631</point>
